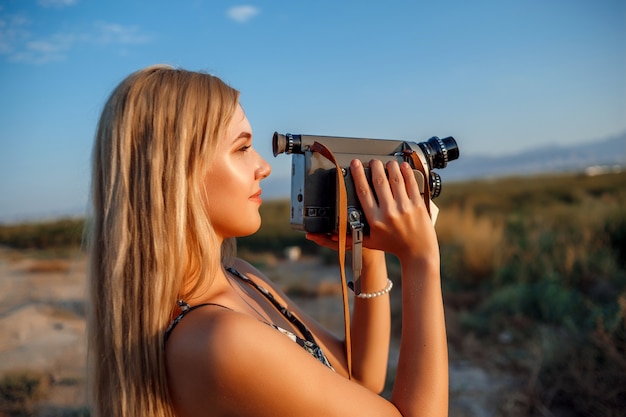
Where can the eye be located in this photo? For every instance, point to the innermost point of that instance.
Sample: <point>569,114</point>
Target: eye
<point>244,148</point>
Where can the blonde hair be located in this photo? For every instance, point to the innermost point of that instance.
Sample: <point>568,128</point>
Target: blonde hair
<point>150,233</point>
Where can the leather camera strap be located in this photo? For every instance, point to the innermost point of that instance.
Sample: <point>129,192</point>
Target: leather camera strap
<point>417,164</point>
<point>341,250</point>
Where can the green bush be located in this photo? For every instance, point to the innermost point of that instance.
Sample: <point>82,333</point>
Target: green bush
<point>19,393</point>
<point>63,233</point>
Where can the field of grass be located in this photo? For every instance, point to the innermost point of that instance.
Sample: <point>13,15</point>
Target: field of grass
<point>534,281</point>
<point>544,260</point>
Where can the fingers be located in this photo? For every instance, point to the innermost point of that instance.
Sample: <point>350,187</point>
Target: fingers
<point>396,179</point>
<point>412,188</point>
<point>381,184</point>
<point>394,196</point>
<point>364,193</point>
<point>392,182</point>
<point>322,239</point>
<point>330,241</point>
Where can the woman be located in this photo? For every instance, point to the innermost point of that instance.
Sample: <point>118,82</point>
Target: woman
<point>180,327</point>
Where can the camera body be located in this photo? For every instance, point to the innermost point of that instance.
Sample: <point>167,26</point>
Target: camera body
<point>314,198</point>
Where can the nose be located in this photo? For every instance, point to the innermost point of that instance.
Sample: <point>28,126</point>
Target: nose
<point>264,169</point>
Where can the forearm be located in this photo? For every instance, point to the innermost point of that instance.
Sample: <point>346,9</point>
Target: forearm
<point>371,324</point>
<point>421,386</point>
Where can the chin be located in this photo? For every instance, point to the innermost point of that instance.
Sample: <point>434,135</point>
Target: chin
<point>247,231</point>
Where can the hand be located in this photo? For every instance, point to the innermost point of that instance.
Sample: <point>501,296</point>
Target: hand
<point>331,241</point>
<point>399,221</point>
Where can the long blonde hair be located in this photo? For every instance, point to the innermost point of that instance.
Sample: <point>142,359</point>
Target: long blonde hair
<point>149,232</point>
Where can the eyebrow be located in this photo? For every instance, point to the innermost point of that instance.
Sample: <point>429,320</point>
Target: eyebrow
<point>243,135</point>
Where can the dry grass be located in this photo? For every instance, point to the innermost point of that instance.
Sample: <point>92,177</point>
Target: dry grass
<point>49,266</point>
<point>546,259</point>
<point>479,238</point>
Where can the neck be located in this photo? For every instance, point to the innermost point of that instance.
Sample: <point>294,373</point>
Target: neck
<point>205,286</point>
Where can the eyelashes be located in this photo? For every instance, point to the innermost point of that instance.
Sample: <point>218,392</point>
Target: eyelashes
<point>244,148</point>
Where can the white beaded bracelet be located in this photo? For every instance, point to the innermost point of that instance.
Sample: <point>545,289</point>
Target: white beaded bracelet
<point>377,293</point>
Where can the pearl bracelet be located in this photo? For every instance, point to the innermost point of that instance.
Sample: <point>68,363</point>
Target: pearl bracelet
<point>377,293</point>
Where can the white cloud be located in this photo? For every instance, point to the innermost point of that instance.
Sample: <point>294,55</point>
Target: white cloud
<point>56,3</point>
<point>48,49</point>
<point>13,30</point>
<point>114,33</point>
<point>242,14</point>
<point>19,44</point>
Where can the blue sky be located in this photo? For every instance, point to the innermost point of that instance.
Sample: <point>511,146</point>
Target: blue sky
<point>501,76</point>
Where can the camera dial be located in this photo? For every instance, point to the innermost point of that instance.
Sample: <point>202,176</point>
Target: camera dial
<point>435,185</point>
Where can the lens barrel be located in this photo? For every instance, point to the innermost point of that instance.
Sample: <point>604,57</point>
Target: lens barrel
<point>287,143</point>
<point>440,151</point>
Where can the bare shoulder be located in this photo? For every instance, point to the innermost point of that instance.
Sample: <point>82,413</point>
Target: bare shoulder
<point>255,274</point>
<point>332,346</point>
<point>206,358</point>
<point>230,363</point>
<point>248,269</point>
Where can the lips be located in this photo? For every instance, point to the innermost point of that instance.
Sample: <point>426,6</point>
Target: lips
<point>256,196</point>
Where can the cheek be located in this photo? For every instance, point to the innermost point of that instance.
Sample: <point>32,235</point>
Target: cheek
<point>214,195</point>
<point>216,179</point>
<point>228,183</point>
<point>228,170</point>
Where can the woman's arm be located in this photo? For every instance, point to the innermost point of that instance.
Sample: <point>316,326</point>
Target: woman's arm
<point>371,320</point>
<point>371,324</point>
<point>421,384</point>
<point>399,224</point>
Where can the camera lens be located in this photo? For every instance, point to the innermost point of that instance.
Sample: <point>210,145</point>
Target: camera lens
<point>440,151</point>
<point>287,143</point>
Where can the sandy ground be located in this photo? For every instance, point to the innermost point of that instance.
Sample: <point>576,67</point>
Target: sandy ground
<point>42,324</point>
<point>42,329</point>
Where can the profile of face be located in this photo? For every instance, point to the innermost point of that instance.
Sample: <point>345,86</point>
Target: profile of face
<point>232,181</point>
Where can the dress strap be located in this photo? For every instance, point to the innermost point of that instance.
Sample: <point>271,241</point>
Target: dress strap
<point>186,309</point>
<point>283,310</point>
<point>308,343</point>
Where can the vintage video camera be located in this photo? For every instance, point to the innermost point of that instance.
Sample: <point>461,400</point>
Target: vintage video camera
<point>314,200</point>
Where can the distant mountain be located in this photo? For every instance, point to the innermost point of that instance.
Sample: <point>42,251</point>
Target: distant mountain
<point>546,159</point>
<point>609,152</point>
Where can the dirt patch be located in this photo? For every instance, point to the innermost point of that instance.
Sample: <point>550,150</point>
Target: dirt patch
<point>42,325</point>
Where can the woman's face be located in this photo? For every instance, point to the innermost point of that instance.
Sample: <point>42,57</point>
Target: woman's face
<point>233,181</point>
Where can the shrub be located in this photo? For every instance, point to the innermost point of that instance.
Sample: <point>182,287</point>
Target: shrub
<point>63,233</point>
<point>19,393</point>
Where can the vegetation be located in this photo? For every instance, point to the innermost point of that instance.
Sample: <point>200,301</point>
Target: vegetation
<point>276,232</point>
<point>19,393</point>
<point>534,268</point>
<point>58,234</point>
<point>544,262</point>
